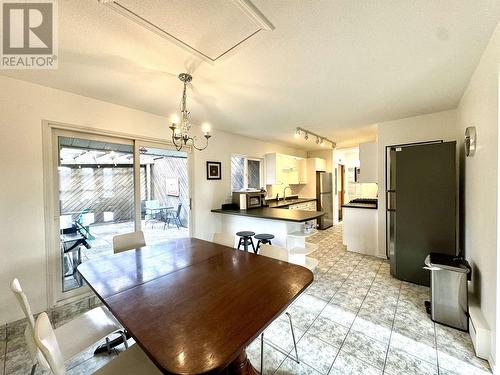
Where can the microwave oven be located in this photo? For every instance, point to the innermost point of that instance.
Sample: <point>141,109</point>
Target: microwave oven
<point>249,199</point>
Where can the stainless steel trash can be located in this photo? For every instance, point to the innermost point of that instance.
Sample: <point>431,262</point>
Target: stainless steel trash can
<point>449,304</point>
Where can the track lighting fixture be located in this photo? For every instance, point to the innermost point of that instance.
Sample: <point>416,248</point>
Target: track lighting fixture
<point>320,140</point>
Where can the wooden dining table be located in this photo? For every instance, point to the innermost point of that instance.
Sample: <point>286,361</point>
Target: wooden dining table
<point>194,306</point>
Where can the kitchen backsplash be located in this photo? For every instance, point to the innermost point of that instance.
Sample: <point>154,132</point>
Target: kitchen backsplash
<point>273,189</point>
<point>359,190</point>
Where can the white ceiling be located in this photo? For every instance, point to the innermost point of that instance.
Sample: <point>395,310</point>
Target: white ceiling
<point>334,67</point>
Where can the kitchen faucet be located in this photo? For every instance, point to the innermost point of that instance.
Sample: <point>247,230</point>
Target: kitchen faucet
<point>284,192</point>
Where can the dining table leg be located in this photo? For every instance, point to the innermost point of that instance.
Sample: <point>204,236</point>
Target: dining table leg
<point>242,366</point>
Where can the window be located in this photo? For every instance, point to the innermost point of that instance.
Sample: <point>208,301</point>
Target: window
<point>246,173</point>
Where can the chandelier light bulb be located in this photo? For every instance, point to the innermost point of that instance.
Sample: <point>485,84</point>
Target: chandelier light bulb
<point>205,127</point>
<point>317,140</point>
<point>297,133</point>
<point>322,143</point>
<point>175,119</point>
<point>306,137</point>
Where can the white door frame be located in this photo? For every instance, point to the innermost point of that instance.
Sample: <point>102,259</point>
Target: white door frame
<point>50,131</point>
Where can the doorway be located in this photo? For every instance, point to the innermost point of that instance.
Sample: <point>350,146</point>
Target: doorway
<point>165,197</point>
<point>341,168</point>
<point>103,186</point>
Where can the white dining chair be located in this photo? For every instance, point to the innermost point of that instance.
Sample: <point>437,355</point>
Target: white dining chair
<point>131,362</point>
<point>278,253</point>
<point>275,252</point>
<point>74,336</point>
<point>283,254</point>
<point>223,239</point>
<point>128,241</point>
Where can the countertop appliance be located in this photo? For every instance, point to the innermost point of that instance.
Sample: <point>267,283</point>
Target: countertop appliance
<point>421,207</point>
<point>247,199</point>
<point>324,196</point>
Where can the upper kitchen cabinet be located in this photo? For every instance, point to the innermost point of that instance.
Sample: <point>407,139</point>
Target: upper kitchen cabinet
<point>285,170</point>
<point>367,162</point>
<point>302,167</point>
<point>319,165</point>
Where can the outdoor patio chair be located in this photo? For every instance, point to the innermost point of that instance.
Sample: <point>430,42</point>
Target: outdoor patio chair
<point>74,336</point>
<point>174,215</point>
<point>83,221</point>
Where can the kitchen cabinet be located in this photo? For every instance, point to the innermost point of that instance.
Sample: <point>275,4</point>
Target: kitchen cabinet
<point>285,170</point>
<point>367,162</point>
<point>360,230</point>
<point>302,167</point>
<point>319,164</point>
<point>307,206</point>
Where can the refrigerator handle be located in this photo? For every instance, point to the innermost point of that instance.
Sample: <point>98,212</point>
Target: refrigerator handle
<point>389,206</point>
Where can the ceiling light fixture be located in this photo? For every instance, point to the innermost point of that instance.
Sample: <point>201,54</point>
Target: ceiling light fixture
<point>320,140</point>
<point>180,128</point>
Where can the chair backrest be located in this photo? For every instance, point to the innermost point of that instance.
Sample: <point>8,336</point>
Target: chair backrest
<point>36,355</point>
<point>46,341</point>
<point>223,239</point>
<point>128,241</point>
<point>275,252</point>
<point>178,213</point>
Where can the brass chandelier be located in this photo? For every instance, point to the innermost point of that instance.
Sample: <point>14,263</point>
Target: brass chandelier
<point>180,129</point>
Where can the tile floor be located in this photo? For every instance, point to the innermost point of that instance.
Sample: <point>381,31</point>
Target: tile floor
<point>354,319</point>
<point>357,319</point>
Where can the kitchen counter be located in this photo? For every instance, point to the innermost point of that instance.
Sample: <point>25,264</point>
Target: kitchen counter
<point>360,227</point>
<point>371,206</point>
<point>297,216</point>
<point>273,203</point>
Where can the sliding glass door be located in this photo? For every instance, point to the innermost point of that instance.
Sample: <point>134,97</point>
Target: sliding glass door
<point>96,200</point>
<point>104,186</point>
<point>165,195</point>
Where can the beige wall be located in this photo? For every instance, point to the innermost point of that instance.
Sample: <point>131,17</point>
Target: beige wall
<point>23,106</point>
<point>479,181</point>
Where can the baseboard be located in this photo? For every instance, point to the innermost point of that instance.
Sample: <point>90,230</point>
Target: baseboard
<point>479,332</point>
<point>492,364</point>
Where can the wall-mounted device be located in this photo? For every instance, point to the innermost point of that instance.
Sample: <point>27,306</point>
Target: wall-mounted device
<point>470,141</point>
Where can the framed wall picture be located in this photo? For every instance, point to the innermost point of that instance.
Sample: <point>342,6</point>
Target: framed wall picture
<point>213,170</point>
<point>172,185</point>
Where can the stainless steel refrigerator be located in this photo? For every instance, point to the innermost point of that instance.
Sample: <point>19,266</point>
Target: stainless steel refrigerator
<point>421,207</point>
<point>324,197</point>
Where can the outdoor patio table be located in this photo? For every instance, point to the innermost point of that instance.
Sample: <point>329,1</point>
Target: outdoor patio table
<point>194,306</point>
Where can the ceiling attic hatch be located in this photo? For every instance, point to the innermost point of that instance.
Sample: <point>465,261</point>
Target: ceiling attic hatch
<point>208,29</point>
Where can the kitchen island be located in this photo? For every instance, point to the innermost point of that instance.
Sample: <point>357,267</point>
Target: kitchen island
<point>360,226</point>
<point>280,222</point>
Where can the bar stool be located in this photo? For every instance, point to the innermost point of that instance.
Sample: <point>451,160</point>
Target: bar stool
<point>246,239</point>
<point>264,238</point>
